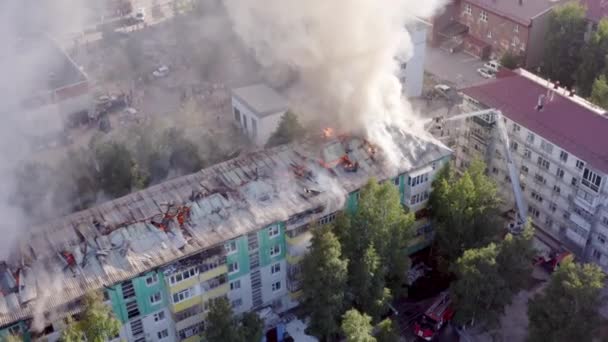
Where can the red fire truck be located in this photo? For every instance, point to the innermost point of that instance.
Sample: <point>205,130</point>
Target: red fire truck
<point>434,317</point>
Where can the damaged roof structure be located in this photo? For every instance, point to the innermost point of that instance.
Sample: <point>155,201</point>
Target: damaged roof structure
<point>58,262</point>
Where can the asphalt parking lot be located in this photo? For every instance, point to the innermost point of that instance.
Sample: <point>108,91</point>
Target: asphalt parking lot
<point>456,69</point>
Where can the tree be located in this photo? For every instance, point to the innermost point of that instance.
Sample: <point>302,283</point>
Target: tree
<point>288,130</point>
<point>380,221</point>
<point>510,60</point>
<point>367,284</point>
<point>567,310</point>
<point>599,92</point>
<point>563,42</point>
<point>115,166</point>
<point>480,294</point>
<point>514,259</point>
<point>220,323</point>
<point>593,59</point>
<point>465,210</point>
<point>252,327</point>
<point>324,283</point>
<point>357,327</point>
<point>97,323</point>
<point>387,331</point>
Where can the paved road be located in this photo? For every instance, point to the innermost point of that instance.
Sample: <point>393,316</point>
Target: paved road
<point>458,69</point>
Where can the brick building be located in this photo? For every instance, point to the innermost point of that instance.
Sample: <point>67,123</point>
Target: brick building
<point>489,28</point>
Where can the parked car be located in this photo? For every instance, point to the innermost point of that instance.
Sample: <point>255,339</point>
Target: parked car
<point>492,65</point>
<point>140,15</point>
<point>162,71</point>
<point>486,73</point>
<point>442,89</point>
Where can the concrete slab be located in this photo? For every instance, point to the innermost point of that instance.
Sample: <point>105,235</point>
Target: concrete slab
<point>457,69</point>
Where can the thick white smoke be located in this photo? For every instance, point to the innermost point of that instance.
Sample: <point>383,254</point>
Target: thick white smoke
<point>342,53</point>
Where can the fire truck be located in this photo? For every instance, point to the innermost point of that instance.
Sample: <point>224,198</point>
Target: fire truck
<point>434,317</point>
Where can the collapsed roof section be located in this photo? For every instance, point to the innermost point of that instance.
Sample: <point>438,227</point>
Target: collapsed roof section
<point>129,236</point>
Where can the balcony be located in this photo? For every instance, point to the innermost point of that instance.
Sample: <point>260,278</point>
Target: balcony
<point>216,292</point>
<point>190,321</point>
<point>580,241</point>
<point>187,303</point>
<point>213,273</point>
<point>301,239</point>
<point>586,200</point>
<point>580,221</point>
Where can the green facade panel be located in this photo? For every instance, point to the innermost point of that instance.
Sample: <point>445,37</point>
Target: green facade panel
<point>16,328</point>
<point>267,243</point>
<point>143,292</point>
<point>352,202</point>
<point>241,256</point>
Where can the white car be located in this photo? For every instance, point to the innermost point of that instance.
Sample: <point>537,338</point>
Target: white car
<point>162,71</point>
<point>443,90</point>
<point>140,15</point>
<point>486,73</point>
<point>492,65</point>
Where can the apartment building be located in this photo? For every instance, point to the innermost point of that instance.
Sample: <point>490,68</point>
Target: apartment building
<point>489,28</point>
<point>558,142</point>
<point>237,230</point>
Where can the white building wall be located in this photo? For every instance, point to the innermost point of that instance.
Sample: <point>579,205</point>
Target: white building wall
<point>265,125</point>
<point>412,77</point>
<point>152,328</point>
<point>244,294</point>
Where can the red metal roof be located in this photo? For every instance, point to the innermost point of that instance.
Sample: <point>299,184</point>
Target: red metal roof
<point>570,125</point>
<point>596,9</point>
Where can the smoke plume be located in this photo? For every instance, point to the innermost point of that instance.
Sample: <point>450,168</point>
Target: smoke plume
<point>341,54</point>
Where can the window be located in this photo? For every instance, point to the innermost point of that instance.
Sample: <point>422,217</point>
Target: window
<point>537,197</point>
<point>574,181</point>
<point>236,303</point>
<point>230,247</point>
<point>580,164</point>
<point>235,285</point>
<point>556,189</point>
<point>237,115</point>
<point>152,279</point>
<point>494,170</point>
<point>276,286</point>
<point>163,334</point>
<point>591,180</point>
<point>597,255</point>
<point>527,153</point>
<point>419,198</point>
<point>601,238</point>
<point>483,16</point>
<point>605,221</point>
<point>524,169</point>
<point>182,295</point>
<point>563,156</point>
<point>181,276</point>
<point>546,146</point>
<point>191,330</point>
<point>530,138</point>
<point>516,28</point>
<point>540,179</point>
<point>245,121</point>
<point>254,127</point>
<point>559,173</point>
<point>467,9</point>
<point>533,211</point>
<point>273,231</point>
<point>516,127</point>
<point>233,267</point>
<point>548,222</point>
<point>276,268</point>
<point>489,34</point>
<point>189,312</point>
<point>514,146</point>
<point>396,181</point>
<point>275,250</point>
<point>132,309</point>
<point>552,206</point>
<point>542,162</point>
<point>156,298</point>
<point>418,179</point>
<point>329,218</point>
<point>159,316</point>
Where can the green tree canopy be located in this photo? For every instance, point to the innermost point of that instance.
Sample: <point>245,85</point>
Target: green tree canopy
<point>357,327</point>
<point>514,259</point>
<point>97,323</point>
<point>510,60</point>
<point>324,283</point>
<point>381,222</point>
<point>567,310</point>
<point>387,331</point>
<point>115,166</point>
<point>465,210</point>
<point>593,60</point>
<point>564,42</point>
<point>367,284</point>
<point>289,129</point>
<point>599,92</point>
<point>221,323</point>
<point>481,293</point>
<point>252,327</point>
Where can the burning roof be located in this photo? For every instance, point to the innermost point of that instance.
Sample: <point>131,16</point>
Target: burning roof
<point>129,236</point>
